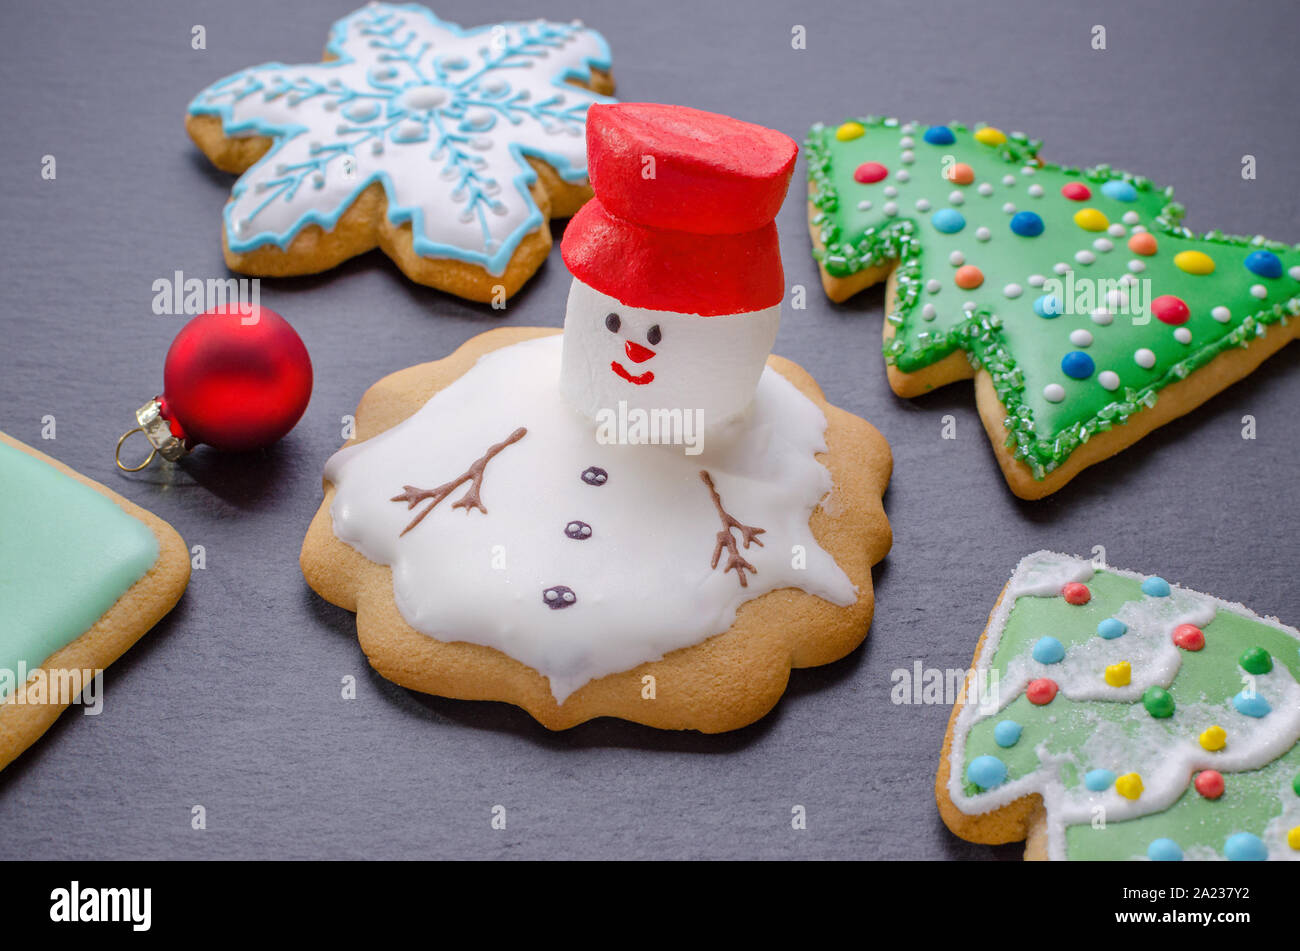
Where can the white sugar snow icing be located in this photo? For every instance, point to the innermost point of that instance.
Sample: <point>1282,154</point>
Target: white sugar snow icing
<point>641,578</point>
<point>1164,761</point>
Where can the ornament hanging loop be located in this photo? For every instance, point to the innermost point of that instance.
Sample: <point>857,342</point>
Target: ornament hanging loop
<point>117,456</point>
<point>157,430</point>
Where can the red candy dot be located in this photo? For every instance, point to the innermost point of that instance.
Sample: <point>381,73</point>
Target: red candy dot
<point>1189,637</point>
<point>1076,191</point>
<point>1170,309</point>
<point>1209,783</point>
<point>1076,593</point>
<point>1041,692</point>
<point>868,173</point>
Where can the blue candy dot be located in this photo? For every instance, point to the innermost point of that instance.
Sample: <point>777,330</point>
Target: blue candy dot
<point>1077,364</point>
<point>1111,628</point>
<point>1164,850</point>
<point>1099,780</point>
<point>1120,191</point>
<point>1048,650</point>
<point>1048,306</point>
<point>1244,847</point>
<point>1264,263</point>
<point>1007,733</point>
<point>1156,587</point>
<point>939,135</point>
<point>1252,706</point>
<point>948,220</point>
<point>1026,224</point>
<point>986,771</point>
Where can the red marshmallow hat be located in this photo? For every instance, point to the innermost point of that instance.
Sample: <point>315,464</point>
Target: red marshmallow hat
<point>697,237</point>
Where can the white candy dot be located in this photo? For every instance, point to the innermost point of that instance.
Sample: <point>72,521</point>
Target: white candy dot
<point>1116,230</point>
<point>1053,392</point>
<point>1008,179</point>
<point>903,175</point>
<point>928,311</point>
<point>933,286</point>
<point>1137,229</point>
<point>864,205</point>
<point>1295,272</point>
<point>906,142</point>
<point>1103,244</point>
<point>1130,218</point>
<point>983,234</point>
<point>1035,191</point>
<point>1037,280</point>
<point>956,198</point>
<point>907,158</point>
<point>956,259</point>
<point>1144,358</point>
<point>1084,257</point>
<point>1136,266</point>
<point>1081,337</point>
<point>891,191</point>
<point>1126,280</point>
<point>1258,290</point>
<point>1183,335</point>
<point>1102,318</point>
<point>1109,379</point>
<point>1060,267</point>
<point>1013,291</point>
<point>1009,208</point>
<point>1028,170</point>
<point>1221,314</point>
<point>969,305</point>
<point>922,205</point>
<point>986,189</point>
<point>1116,299</point>
<point>890,208</point>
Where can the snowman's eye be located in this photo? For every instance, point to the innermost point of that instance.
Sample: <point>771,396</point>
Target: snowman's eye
<point>655,335</point>
<point>612,323</point>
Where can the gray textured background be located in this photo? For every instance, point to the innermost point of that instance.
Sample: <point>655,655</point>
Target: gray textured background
<point>233,701</point>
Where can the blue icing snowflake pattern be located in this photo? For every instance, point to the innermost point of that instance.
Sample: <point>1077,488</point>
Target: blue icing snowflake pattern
<point>444,119</point>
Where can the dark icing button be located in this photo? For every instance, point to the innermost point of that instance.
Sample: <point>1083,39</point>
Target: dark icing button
<point>594,475</point>
<point>578,530</point>
<point>559,597</point>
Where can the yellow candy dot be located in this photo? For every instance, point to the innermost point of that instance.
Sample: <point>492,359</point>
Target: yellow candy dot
<point>1129,785</point>
<point>1293,838</point>
<point>1118,675</point>
<point>1090,219</point>
<point>990,136</point>
<point>1214,739</point>
<point>1194,262</point>
<point>850,131</point>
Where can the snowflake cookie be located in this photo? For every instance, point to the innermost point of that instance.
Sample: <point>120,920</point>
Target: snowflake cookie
<point>449,149</point>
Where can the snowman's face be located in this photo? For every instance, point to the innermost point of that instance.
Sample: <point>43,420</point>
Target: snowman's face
<point>655,359</point>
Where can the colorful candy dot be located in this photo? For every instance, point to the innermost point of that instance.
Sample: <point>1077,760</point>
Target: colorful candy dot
<point>1256,660</point>
<point>1047,306</point>
<point>1189,637</point>
<point>1209,783</point>
<point>1027,224</point>
<point>1214,739</point>
<point>868,173</point>
<point>990,136</point>
<point>948,220</point>
<point>1156,587</point>
<point>1111,628</point>
<point>1251,704</point>
<point>850,131</point>
<point>939,135</point>
<point>1263,263</point>
<point>1164,850</point>
<point>1077,365</point>
<point>1098,780</point>
<point>1076,191</point>
<point>1159,702</point>
<point>968,277</point>
<point>961,174</point>
<point>1119,675</point>
<point>1129,786</point>
<point>1041,691</point>
<point>1007,733</point>
<point>1293,838</point>
<point>1143,243</point>
<point>1194,262</point>
<point>1090,219</point>
<point>1295,784</point>
<point>1119,190</point>
<point>1170,309</point>
<point>986,772</point>
<point>1048,650</point>
<point>1245,847</point>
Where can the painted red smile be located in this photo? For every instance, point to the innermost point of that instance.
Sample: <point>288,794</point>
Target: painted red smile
<point>646,377</point>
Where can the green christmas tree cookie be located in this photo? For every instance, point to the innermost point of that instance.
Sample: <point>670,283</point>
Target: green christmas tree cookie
<point>1112,715</point>
<point>1086,313</point>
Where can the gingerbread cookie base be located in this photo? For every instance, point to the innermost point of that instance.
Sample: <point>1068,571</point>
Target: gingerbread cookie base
<point>723,683</point>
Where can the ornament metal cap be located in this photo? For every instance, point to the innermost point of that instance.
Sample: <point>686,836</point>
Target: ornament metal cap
<point>157,431</point>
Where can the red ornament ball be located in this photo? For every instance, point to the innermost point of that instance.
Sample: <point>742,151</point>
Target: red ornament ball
<point>235,379</point>
<point>1209,783</point>
<point>1170,309</point>
<point>1076,191</point>
<point>1076,593</point>
<point>868,173</point>
<point>1189,637</point>
<point>1041,692</point>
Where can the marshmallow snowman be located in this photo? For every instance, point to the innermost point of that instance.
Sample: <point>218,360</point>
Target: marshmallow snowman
<point>677,278</point>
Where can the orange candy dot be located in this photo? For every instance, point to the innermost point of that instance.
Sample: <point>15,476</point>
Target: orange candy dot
<point>968,277</point>
<point>1144,242</point>
<point>961,174</point>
